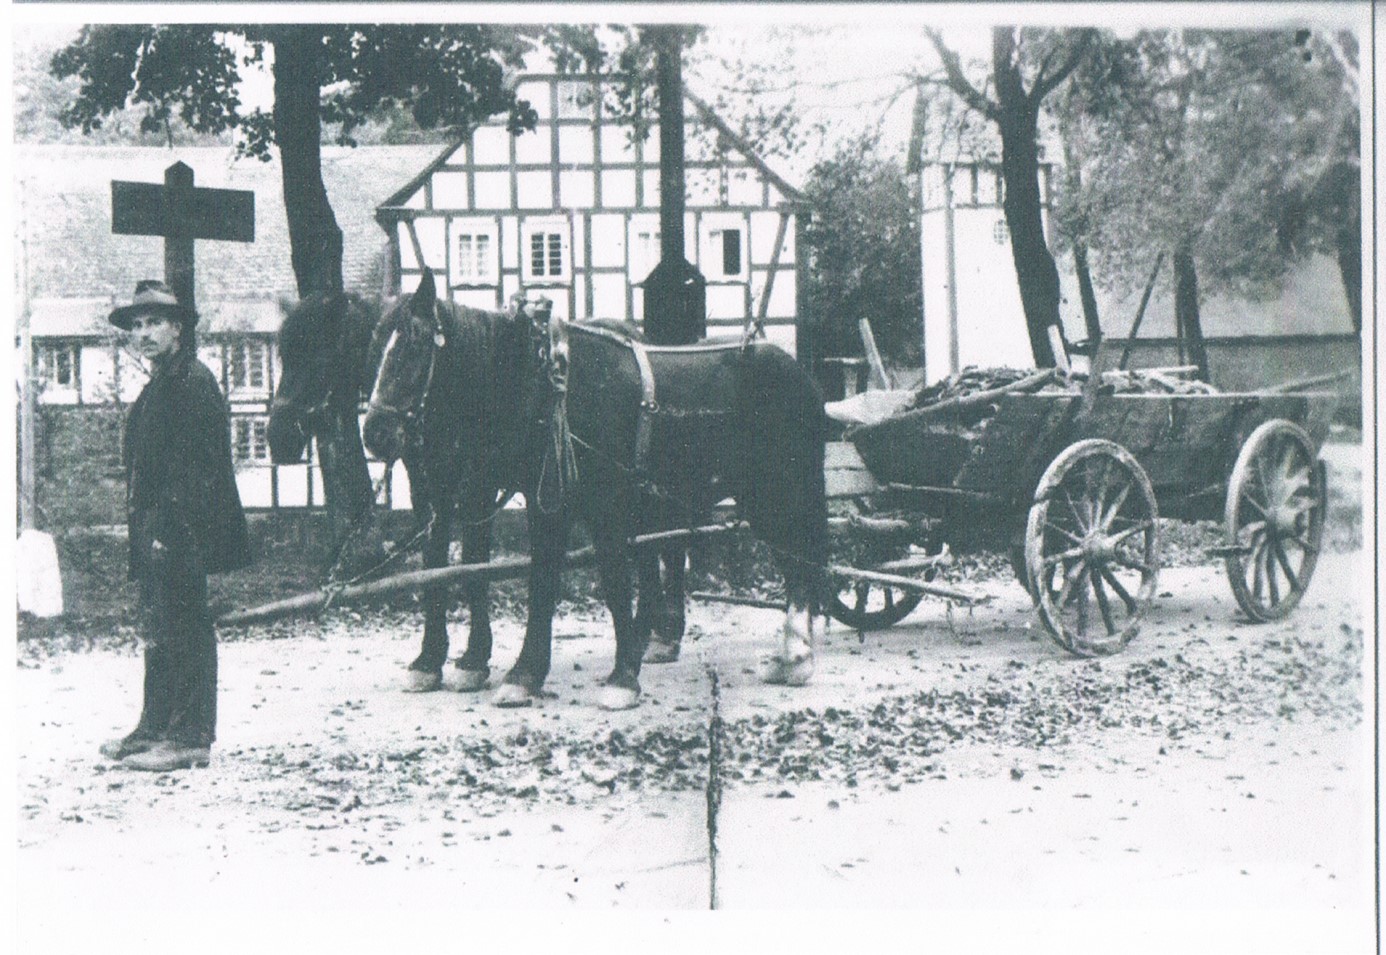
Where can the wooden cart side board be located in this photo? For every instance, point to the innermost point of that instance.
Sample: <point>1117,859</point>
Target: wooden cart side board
<point>844,472</point>
<point>1016,445</point>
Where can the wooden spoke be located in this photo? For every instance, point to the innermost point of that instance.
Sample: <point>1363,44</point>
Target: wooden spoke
<point>1125,534</point>
<point>1103,604</point>
<point>1050,525</point>
<point>1284,561</point>
<point>1110,514</point>
<point>1063,557</point>
<point>1120,591</point>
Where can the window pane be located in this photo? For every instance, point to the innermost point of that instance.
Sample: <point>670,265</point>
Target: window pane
<point>63,370</point>
<point>238,375</point>
<point>257,364</point>
<point>536,254</point>
<point>731,252</point>
<point>555,254</point>
<point>242,438</point>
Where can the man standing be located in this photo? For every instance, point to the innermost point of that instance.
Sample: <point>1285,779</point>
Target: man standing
<point>185,522</point>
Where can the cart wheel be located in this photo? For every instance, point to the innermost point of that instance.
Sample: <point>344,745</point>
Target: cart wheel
<point>1276,499</point>
<point>867,605</point>
<point>1092,547</point>
<point>1015,554</point>
<point>863,605</point>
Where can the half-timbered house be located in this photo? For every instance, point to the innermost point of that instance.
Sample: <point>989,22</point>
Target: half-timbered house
<point>571,209</point>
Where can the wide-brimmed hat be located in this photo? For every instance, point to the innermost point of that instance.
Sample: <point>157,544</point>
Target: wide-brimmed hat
<point>152,297</point>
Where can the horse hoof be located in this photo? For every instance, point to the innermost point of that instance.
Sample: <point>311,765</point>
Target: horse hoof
<point>470,681</point>
<point>510,695</point>
<point>417,681</point>
<point>617,698</point>
<point>779,672</point>
<point>660,652</point>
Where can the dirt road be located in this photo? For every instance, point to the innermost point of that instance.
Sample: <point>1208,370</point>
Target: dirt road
<point>954,765</point>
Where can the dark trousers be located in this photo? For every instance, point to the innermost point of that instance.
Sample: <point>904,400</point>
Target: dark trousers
<point>180,658</point>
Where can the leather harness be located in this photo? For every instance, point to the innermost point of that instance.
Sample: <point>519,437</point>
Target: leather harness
<point>650,407</point>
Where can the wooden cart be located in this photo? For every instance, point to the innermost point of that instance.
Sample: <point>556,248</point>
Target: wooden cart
<point>1071,487</point>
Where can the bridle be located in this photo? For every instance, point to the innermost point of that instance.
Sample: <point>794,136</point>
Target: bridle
<point>413,415</point>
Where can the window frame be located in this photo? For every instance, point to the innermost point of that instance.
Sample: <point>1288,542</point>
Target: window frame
<point>47,365</point>
<point>473,228</point>
<point>715,249</point>
<point>549,228</point>
<point>254,355</point>
<point>255,430</point>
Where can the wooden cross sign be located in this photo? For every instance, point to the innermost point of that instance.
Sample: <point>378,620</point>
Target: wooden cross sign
<point>181,213</point>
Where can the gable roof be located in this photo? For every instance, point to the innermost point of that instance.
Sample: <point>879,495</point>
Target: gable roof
<point>63,201</point>
<point>700,109</point>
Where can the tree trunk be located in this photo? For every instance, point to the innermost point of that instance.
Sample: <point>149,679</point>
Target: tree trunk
<point>1035,271</point>
<point>1186,315</point>
<point>315,243</point>
<point>1349,242</point>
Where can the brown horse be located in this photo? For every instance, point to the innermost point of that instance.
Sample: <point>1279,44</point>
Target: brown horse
<point>589,424</point>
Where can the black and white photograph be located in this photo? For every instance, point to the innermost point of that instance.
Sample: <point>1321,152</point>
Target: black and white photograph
<point>884,476</point>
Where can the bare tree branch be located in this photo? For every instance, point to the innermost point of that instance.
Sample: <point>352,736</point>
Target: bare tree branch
<point>1045,85</point>
<point>958,82</point>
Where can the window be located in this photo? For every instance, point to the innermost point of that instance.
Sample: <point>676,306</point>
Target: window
<point>248,438</point>
<point>545,254</point>
<point>475,252</point>
<point>57,366</point>
<point>247,365</point>
<point>1000,233</point>
<point>644,253</point>
<point>545,250</point>
<point>722,258</point>
<point>474,259</point>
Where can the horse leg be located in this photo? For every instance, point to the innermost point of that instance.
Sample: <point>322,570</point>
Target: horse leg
<point>792,663</point>
<point>473,666</point>
<point>649,608</point>
<point>426,672</point>
<point>548,535</point>
<point>799,536</point>
<point>666,605</point>
<point>671,622</point>
<point>621,691</point>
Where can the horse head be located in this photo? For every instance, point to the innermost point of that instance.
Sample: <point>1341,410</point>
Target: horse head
<point>413,336</point>
<point>311,343</point>
<point>548,335</point>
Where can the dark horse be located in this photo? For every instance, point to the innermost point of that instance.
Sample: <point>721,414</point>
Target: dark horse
<point>588,423</point>
<point>330,349</point>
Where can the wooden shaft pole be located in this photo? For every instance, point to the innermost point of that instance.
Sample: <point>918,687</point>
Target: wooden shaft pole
<point>909,583</point>
<point>504,569</point>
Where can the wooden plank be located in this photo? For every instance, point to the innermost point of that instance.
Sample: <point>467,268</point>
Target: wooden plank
<point>141,208</point>
<point>844,472</point>
<point>879,376</point>
<point>842,455</point>
<point>849,483</point>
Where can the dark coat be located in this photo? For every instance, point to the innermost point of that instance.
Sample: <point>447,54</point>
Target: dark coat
<point>181,486</point>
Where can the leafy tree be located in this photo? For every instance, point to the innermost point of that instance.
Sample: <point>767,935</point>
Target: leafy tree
<point>1026,66</point>
<point>1216,149</point>
<point>864,240</point>
<point>451,76</point>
